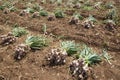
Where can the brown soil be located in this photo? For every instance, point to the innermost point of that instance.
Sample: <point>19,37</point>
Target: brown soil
<point>33,67</point>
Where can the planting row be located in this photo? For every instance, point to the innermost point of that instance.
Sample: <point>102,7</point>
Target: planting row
<point>83,55</point>
<point>110,18</point>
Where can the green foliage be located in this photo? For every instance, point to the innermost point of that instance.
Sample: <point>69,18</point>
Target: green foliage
<point>111,14</point>
<point>89,56</point>
<point>29,10</point>
<point>88,8</point>
<point>109,5</point>
<point>69,46</point>
<point>43,1</point>
<point>18,31</point>
<point>6,5</point>
<point>2,7</point>
<point>44,28</point>
<point>106,56</point>
<point>37,7</point>
<point>59,14</point>
<point>43,13</point>
<point>36,42</point>
<point>78,16</point>
<point>109,21</point>
<point>52,1</point>
<point>59,2</point>
<point>91,18</point>
<point>12,9</point>
<point>98,5</point>
<point>87,2</point>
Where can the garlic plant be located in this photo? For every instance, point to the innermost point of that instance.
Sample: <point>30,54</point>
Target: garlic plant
<point>91,18</point>
<point>51,17</point>
<point>29,10</point>
<point>109,5</point>
<point>98,5</point>
<point>43,1</point>
<point>69,46</point>
<point>6,11</point>
<point>7,39</point>
<point>110,25</point>
<point>23,13</point>
<point>59,2</point>
<point>2,7</point>
<point>89,56</point>
<point>89,22</point>
<point>56,57</point>
<point>43,13</point>
<point>52,1</point>
<point>59,14</point>
<point>37,7</point>
<point>75,19</point>
<point>111,14</point>
<point>106,56</point>
<point>36,42</point>
<point>12,9</point>
<point>18,31</point>
<point>35,15</point>
<point>44,28</point>
<point>20,51</point>
<point>87,5</point>
<point>8,7</point>
<point>7,4</point>
<point>78,69</point>
<point>77,6</point>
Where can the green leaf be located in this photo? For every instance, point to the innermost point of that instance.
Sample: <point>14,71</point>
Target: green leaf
<point>91,18</point>
<point>106,56</point>
<point>30,10</point>
<point>2,7</point>
<point>18,31</point>
<point>59,14</point>
<point>69,46</point>
<point>89,56</point>
<point>36,42</point>
<point>43,13</point>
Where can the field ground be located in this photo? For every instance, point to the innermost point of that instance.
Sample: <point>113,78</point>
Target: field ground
<point>32,66</point>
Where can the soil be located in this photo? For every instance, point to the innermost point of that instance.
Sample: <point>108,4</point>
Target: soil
<point>33,67</point>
